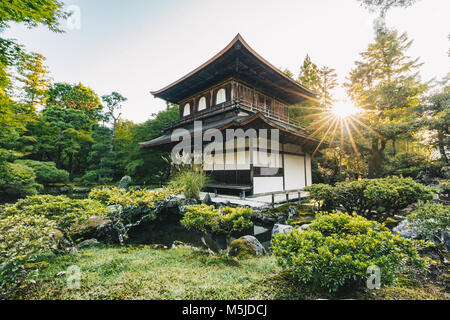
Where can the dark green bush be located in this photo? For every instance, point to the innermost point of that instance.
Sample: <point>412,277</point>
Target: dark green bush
<point>65,212</point>
<point>23,238</point>
<point>17,180</point>
<point>385,195</point>
<point>337,250</point>
<point>46,172</point>
<point>431,219</point>
<point>323,193</point>
<point>207,219</point>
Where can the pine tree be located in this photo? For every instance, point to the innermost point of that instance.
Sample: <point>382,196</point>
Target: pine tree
<point>309,75</point>
<point>327,83</point>
<point>385,84</point>
<point>101,159</point>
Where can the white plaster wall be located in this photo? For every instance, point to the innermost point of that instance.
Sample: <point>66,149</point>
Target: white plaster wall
<point>308,170</point>
<point>267,184</point>
<point>294,171</point>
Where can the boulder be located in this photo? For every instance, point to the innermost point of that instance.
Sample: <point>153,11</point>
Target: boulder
<point>304,226</point>
<point>292,212</point>
<point>178,244</point>
<point>207,200</point>
<point>281,228</point>
<point>88,243</point>
<point>96,227</point>
<point>445,172</point>
<point>125,182</point>
<point>406,230</point>
<point>246,246</point>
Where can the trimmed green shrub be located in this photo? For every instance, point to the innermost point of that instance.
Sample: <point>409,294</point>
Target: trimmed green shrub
<point>323,193</point>
<point>23,238</point>
<point>207,219</point>
<point>65,212</point>
<point>431,219</point>
<point>386,195</point>
<point>132,207</point>
<point>46,172</point>
<point>17,180</point>
<point>337,249</point>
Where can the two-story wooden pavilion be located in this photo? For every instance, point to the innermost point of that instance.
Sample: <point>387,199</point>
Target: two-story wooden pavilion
<point>237,88</point>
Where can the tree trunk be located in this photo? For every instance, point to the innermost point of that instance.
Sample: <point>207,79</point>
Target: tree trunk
<point>442,147</point>
<point>376,158</point>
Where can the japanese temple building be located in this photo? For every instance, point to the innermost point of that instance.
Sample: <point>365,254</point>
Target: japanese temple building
<point>238,89</point>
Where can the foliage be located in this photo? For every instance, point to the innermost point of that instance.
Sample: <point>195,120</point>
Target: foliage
<point>431,219</point>
<point>65,212</point>
<point>337,249</point>
<point>435,111</point>
<point>133,160</point>
<point>207,219</point>
<point>113,104</point>
<point>386,86</point>
<point>22,239</point>
<point>17,180</point>
<point>386,195</point>
<point>101,158</point>
<point>46,172</point>
<point>131,208</point>
<point>325,194</point>
<point>405,164</point>
<point>191,181</point>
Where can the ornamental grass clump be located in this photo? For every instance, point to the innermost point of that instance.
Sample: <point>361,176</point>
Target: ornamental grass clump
<point>337,249</point>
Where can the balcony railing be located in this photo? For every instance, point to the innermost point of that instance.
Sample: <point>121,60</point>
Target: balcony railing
<point>243,104</point>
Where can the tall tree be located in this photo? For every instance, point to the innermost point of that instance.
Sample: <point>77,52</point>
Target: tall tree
<point>386,85</point>
<point>309,74</point>
<point>436,117</point>
<point>114,104</point>
<point>101,159</point>
<point>328,81</point>
<point>33,74</point>
<point>382,7</point>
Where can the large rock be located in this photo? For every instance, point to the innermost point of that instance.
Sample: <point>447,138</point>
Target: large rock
<point>207,200</point>
<point>445,172</point>
<point>125,182</point>
<point>88,243</point>
<point>281,228</point>
<point>96,227</point>
<point>406,230</point>
<point>246,246</point>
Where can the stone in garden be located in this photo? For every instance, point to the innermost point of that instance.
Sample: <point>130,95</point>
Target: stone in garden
<point>281,228</point>
<point>88,243</point>
<point>207,200</point>
<point>406,230</point>
<point>125,182</point>
<point>246,246</point>
<point>304,226</point>
<point>292,212</point>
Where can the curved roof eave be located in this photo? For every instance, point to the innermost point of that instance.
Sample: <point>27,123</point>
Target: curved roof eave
<point>221,53</point>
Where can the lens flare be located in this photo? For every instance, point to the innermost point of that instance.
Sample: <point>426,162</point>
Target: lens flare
<point>344,109</point>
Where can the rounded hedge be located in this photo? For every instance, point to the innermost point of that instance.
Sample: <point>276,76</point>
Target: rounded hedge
<point>338,248</point>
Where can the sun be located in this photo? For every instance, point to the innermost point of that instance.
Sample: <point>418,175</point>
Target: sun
<point>343,109</point>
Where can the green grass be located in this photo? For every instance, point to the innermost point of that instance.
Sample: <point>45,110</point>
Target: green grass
<point>139,272</point>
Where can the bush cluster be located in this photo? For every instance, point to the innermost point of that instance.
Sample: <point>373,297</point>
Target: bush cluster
<point>385,195</point>
<point>207,219</point>
<point>65,212</point>
<point>23,238</point>
<point>46,172</point>
<point>337,249</point>
<point>431,219</point>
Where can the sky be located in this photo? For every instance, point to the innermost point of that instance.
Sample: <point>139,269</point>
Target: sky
<point>137,46</point>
